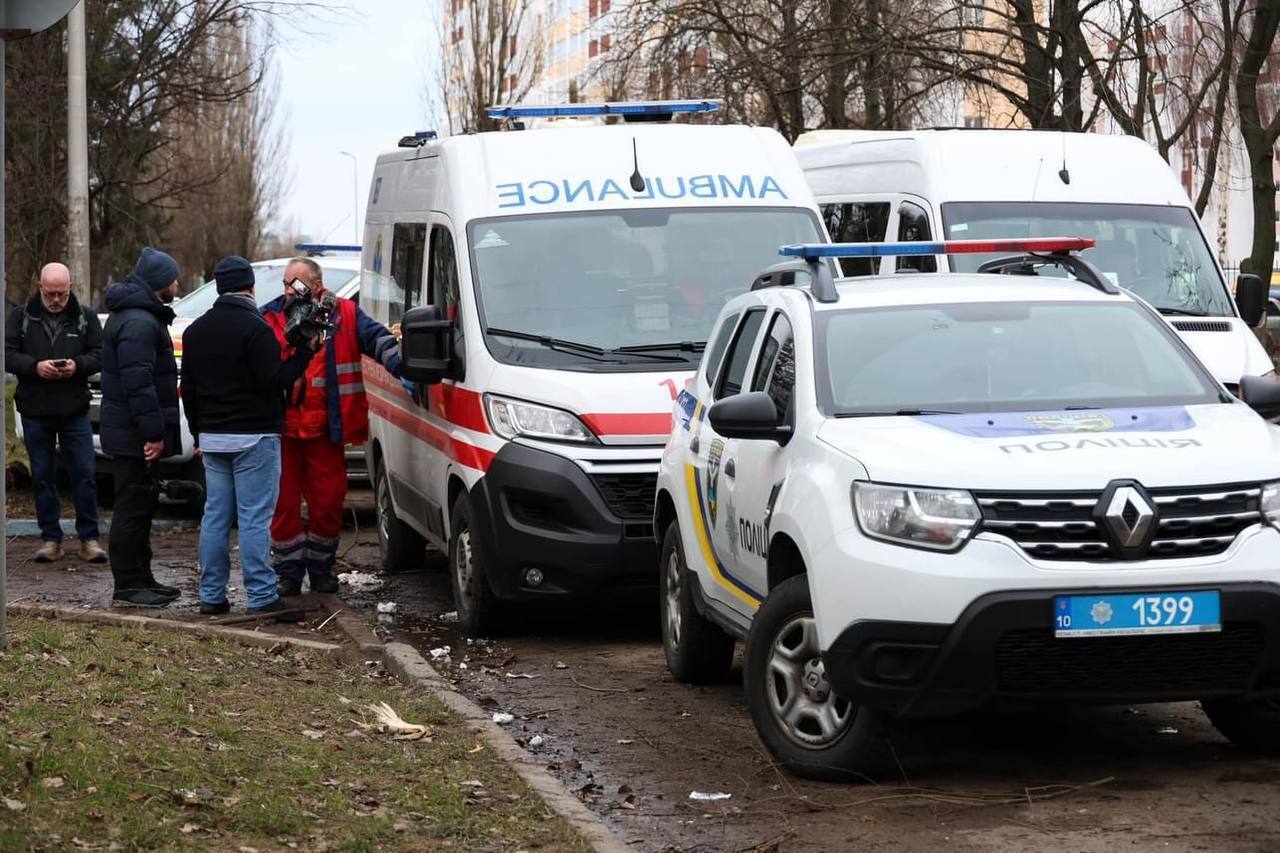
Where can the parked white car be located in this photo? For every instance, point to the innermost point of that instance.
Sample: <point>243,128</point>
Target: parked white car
<point>918,495</point>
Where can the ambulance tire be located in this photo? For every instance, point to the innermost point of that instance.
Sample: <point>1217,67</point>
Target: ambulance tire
<point>1251,724</point>
<point>479,612</point>
<point>698,652</point>
<point>811,731</point>
<point>400,547</point>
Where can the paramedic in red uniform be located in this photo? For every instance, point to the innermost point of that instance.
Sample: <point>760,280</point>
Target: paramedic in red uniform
<point>327,410</point>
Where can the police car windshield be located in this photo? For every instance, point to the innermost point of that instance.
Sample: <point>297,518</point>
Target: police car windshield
<point>1155,251</point>
<point>269,284</point>
<point>1003,357</point>
<point>621,280</point>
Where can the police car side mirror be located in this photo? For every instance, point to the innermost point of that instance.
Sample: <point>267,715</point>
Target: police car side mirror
<point>1251,299</point>
<point>1262,394</point>
<point>426,345</point>
<point>751,416</point>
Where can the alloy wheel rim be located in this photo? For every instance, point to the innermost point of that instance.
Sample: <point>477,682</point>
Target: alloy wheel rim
<point>801,700</point>
<point>673,601</point>
<point>384,512</point>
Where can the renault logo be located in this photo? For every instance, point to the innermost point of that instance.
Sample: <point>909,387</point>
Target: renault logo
<point>1129,516</point>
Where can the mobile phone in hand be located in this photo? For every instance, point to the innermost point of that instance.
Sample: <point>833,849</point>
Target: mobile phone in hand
<point>61,362</point>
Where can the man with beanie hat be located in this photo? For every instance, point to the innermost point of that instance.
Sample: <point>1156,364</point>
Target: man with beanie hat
<point>233,387</point>
<point>139,418</point>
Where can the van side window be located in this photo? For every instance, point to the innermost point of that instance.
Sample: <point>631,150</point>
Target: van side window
<point>711,362</point>
<point>442,280</point>
<point>913,226</point>
<point>857,222</point>
<point>776,367</point>
<point>735,369</point>
<point>408,242</point>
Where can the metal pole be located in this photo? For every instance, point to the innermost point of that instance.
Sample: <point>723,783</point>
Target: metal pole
<point>4,410</point>
<point>355,195</point>
<point>77,159</point>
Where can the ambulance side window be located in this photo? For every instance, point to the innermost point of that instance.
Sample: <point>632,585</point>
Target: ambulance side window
<point>715,354</point>
<point>734,373</point>
<point>857,222</point>
<point>776,367</point>
<point>409,240</point>
<point>913,226</point>
<point>442,281</point>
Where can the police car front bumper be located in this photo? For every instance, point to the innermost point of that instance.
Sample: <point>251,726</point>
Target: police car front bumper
<point>1002,652</point>
<point>581,532</point>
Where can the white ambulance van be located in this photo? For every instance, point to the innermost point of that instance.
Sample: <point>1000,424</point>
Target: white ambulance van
<point>555,289</point>
<point>953,184</point>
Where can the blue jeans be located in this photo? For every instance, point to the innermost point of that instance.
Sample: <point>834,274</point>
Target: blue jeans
<point>41,435</point>
<point>241,487</point>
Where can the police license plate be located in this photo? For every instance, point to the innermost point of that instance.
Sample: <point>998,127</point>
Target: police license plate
<point>1149,613</point>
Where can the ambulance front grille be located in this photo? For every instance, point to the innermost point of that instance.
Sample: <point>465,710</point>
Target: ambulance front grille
<point>1190,522</point>
<point>628,495</point>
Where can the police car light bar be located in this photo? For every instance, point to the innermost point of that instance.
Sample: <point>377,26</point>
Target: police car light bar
<point>1052,245</point>
<point>321,248</point>
<point>614,108</point>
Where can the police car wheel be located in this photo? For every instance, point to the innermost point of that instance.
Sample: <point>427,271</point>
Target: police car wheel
<point>1251,724</point>
<point>698,652</point>
<point>813,732</point>
<point>478,610</point>
<point>399,545</point>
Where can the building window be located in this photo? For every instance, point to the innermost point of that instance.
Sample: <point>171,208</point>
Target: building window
<point>593,8</point>
<point>593,48</point>
<point>604,42</point>
<point>604,6</point>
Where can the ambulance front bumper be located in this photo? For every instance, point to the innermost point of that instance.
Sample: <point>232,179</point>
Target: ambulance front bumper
<point>582,532</point>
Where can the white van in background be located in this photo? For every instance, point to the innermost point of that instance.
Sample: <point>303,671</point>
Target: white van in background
<point>952,184</point>
<point>555,289</point>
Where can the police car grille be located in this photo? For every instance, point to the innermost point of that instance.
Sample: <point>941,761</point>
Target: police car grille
<point>1031,661</point>
<point>1191,522</point>
<point>628,495</point>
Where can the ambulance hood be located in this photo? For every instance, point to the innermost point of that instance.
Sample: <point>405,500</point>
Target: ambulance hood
<point>1063,450</point>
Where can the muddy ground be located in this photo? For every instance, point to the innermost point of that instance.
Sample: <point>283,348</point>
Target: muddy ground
<point>590,684</point>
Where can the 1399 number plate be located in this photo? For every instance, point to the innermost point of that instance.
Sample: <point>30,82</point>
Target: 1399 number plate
<point>1148,613</point>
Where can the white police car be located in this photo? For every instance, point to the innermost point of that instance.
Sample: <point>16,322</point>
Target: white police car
<point>916,495</point>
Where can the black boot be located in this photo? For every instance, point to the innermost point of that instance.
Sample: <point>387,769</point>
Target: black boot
<point>323,582</point>
<point>209,609</point>
<point>170,592</point>
<point>275,606</point>
<point>140,598</point>
<point>290,586</point>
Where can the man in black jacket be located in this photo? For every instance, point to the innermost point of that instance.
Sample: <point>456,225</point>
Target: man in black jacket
<point>233,388</point>
<point>53,346</point>
<point>139,419</point>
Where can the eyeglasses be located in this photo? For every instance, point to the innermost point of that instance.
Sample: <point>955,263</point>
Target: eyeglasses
<point>55,294</point>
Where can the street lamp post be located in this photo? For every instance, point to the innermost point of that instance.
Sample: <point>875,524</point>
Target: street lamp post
<point>355,195</point>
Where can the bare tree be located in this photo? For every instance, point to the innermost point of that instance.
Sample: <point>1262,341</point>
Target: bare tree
<point>493,54</point>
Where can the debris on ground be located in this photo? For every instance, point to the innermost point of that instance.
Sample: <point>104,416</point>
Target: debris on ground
<point>708,797</point>
<point>386,607</point>
<point>360,580</point>
<point>389,721</point>
<point>451,616</point>
<point>537,741</point>
<point>502,719</point>
<point>440,653</point>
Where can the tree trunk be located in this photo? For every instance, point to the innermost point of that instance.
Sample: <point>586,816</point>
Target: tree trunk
<point>1259,138</point>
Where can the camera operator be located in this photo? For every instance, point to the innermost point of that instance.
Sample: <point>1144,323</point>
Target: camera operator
<point>327,410</point>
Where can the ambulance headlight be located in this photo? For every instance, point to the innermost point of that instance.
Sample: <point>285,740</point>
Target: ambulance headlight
<point>937,519</point>
<point>1271,502</point>
<point>510,418</point>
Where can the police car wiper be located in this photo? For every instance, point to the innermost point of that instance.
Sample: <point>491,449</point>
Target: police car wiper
<point>1183,312</point>
<point>682,346</point>
<point>899,412</point>
<point>553,343</point>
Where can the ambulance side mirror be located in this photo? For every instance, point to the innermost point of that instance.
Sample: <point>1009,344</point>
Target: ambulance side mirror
<point>426,345</point>
<point>1262,394</point>
<point>1251,299</point>
<point>751,416</point>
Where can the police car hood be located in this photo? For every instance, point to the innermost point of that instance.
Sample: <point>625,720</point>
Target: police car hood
<point>1061,450</point>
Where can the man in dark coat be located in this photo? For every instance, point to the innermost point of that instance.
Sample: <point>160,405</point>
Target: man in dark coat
<point>139,420</point>
<point>53,346</point>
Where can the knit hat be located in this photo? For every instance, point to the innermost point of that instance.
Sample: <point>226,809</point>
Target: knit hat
<point>156,269</point>
<point>233,274</point>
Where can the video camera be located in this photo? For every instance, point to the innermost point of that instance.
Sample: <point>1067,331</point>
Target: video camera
<point>306,318</point>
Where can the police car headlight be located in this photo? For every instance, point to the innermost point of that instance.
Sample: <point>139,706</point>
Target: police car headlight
<point>938,519</point>
<point>510,418</point>
<point>1271,502</point>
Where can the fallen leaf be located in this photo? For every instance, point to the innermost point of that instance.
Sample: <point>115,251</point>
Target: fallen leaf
<point>14,805</point>
<point>572,764</point>
<point>137,797</point>
<point>188,828</point>
<point>625,742</point>
<point>51,782</point>
<point>313,734</point>
<point>561,665</point>
<point>479,748</point>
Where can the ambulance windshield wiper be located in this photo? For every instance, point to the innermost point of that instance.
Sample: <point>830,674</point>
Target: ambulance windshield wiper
<point>681,346</point>
<point>549,342</point>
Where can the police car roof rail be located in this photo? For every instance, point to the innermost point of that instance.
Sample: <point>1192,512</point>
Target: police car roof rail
<point>822,283</point>
<point>1074,264</point>
<point>417,140</point>
<point>312,249</point>
<point>631,111</point>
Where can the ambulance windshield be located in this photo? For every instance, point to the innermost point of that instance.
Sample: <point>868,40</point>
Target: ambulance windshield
<point>634,286</point>
<point>1155,251</point>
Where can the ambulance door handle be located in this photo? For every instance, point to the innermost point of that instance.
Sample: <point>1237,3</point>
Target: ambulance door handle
<point>730,469</point>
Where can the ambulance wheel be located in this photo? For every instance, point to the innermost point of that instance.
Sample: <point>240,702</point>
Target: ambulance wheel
<point>1251,724</point>
<point>813,732</point>
<point>400,547</point>
<point>478,610</point>
<point>698,652</point>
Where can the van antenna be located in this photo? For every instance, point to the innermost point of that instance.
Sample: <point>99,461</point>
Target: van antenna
<point>637,180</point>
<point>1035,186</point>
<point>1064,175</point>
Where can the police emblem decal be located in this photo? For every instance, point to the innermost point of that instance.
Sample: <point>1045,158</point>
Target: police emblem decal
<point>713,477</point>
<point>1071,422</point>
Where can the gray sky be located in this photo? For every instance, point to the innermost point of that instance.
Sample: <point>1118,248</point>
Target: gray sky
<point>356,84</point>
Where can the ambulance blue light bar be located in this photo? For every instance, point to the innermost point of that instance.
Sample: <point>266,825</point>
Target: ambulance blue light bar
<point>1051,245</point>
<point>613,108</point>
<point>321,248</point>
